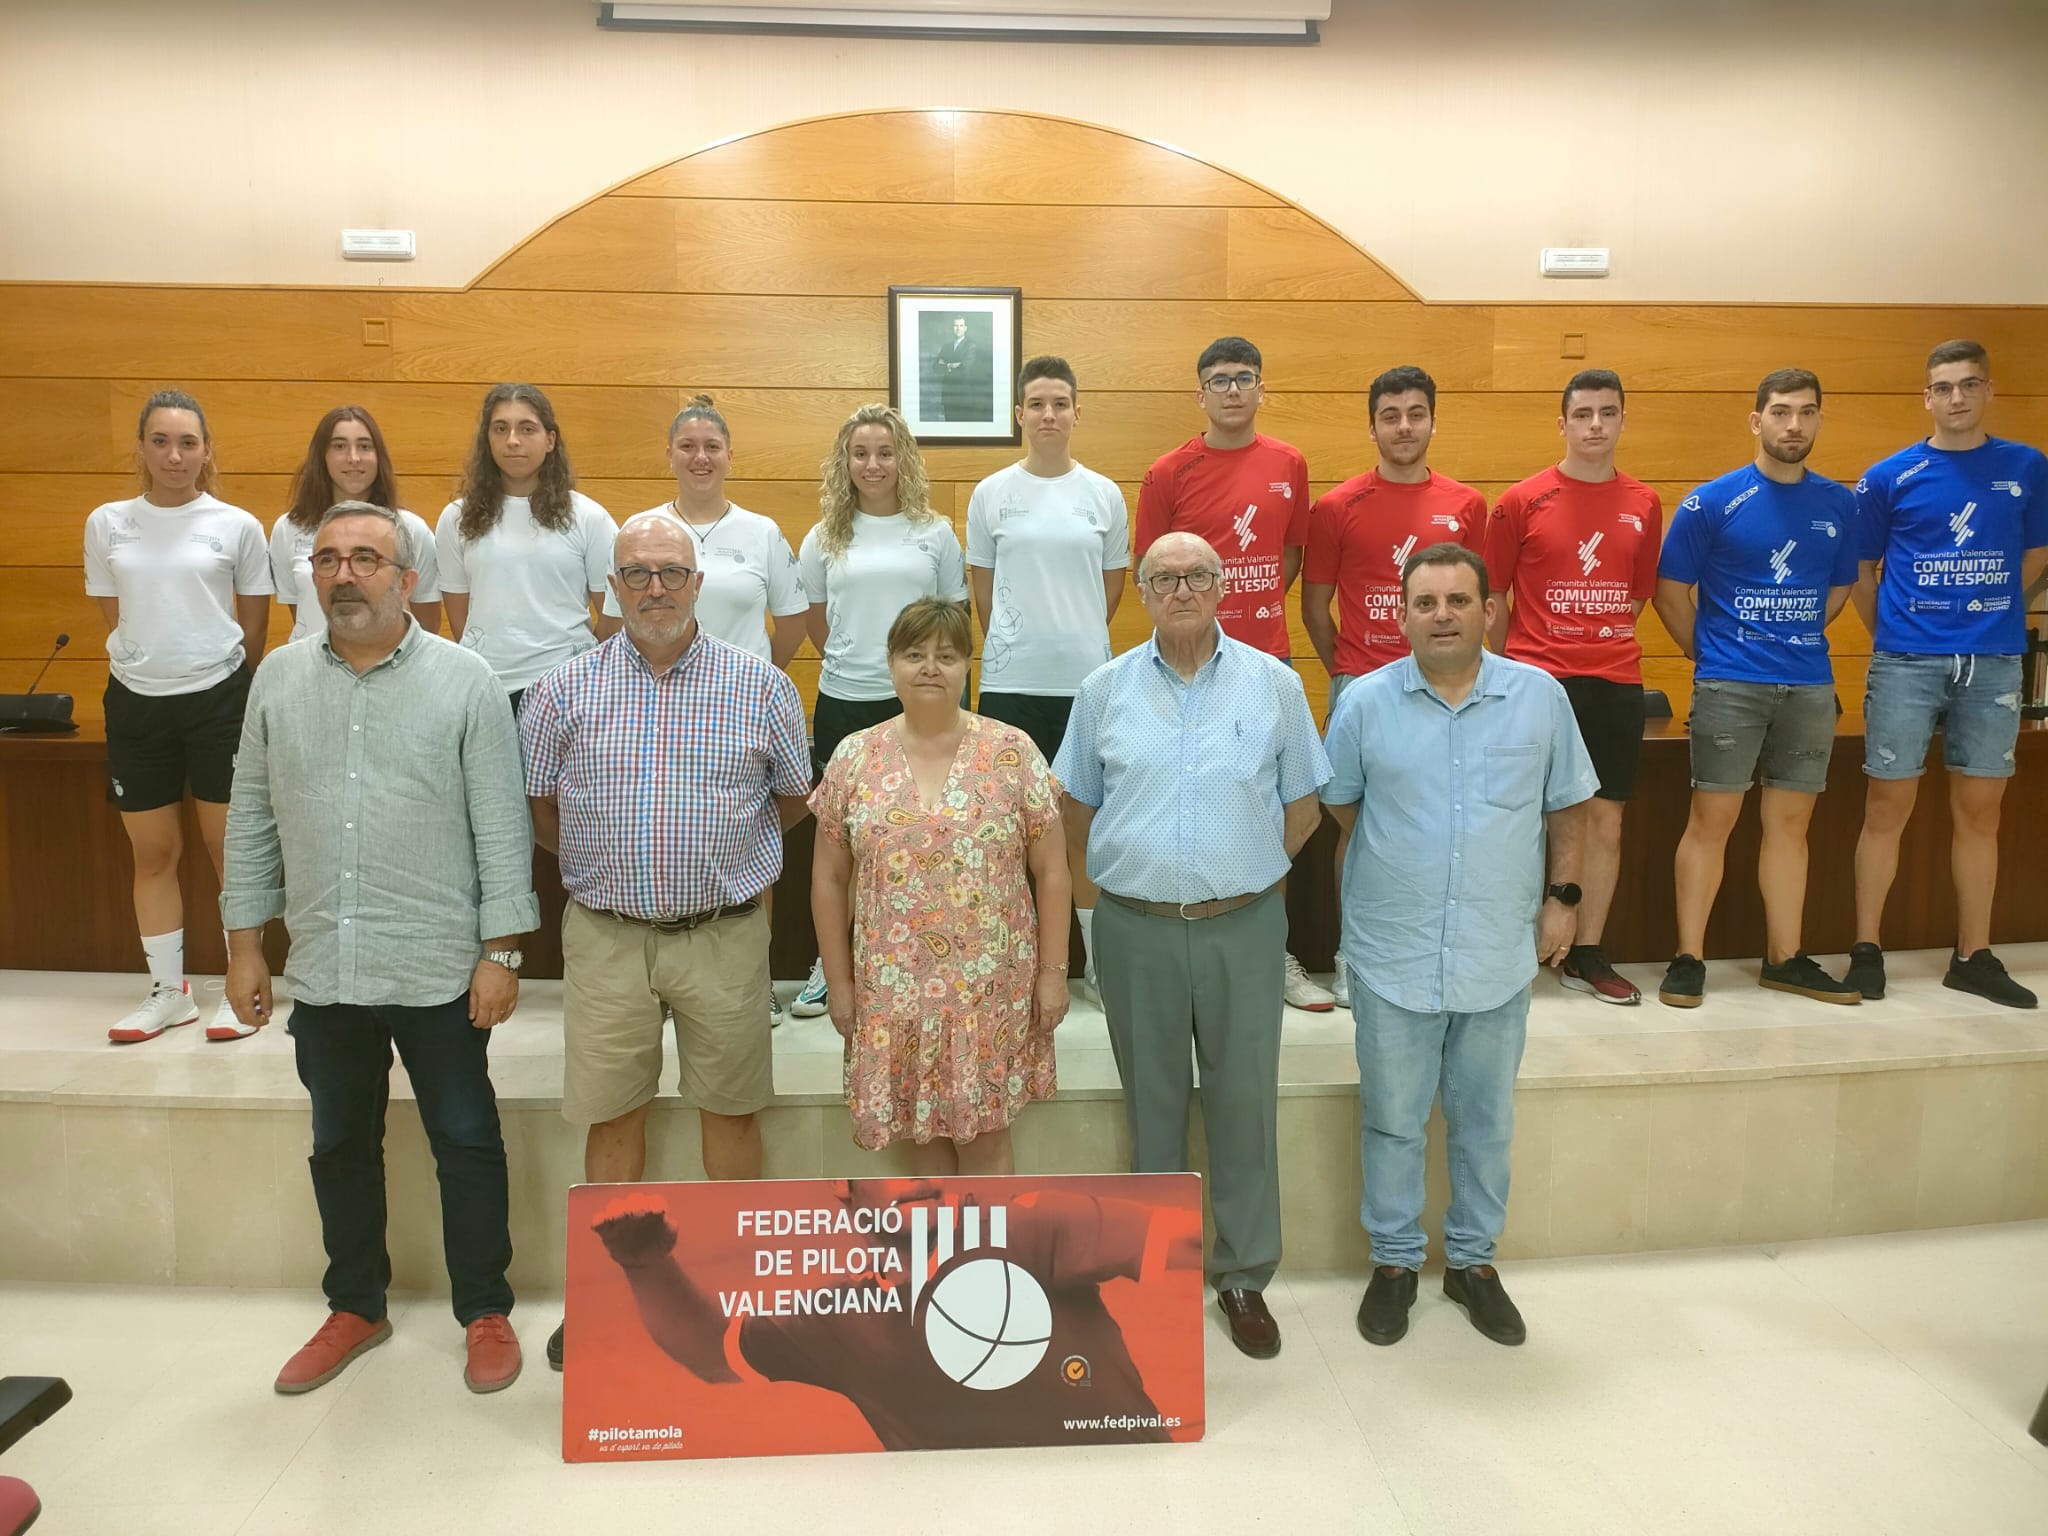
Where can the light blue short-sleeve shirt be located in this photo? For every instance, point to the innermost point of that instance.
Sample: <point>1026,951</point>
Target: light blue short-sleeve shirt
<point>1190,779</point>
<point>1446,865</point>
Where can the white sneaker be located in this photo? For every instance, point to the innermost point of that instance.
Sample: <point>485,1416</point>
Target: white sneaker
<point>1303,993</point>
<point>810,1002</point>
<point>223,1025</point>
<point>1340,985</point>
<point>165,1008</point>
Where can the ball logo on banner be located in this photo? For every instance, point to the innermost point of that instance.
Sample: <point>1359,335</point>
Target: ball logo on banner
<point>987,1323</point>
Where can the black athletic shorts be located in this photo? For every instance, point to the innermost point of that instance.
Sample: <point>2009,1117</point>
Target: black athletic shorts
<point>1610,717</point>
<point>836,719</point>
<point>1042,717</point>
<point>159,743</point>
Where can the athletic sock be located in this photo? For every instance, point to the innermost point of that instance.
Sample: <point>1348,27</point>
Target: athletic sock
<point>166,955</point>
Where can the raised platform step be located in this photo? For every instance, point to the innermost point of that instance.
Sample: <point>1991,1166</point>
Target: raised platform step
<point>1757,1117</point>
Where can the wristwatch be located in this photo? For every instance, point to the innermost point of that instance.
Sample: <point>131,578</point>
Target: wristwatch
<point>511,958</point>
<point>1566,894</point>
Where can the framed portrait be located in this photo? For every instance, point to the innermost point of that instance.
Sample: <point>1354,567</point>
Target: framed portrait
<point>953,359</point>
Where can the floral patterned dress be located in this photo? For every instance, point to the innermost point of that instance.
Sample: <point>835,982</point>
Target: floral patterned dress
<point>945,937</point>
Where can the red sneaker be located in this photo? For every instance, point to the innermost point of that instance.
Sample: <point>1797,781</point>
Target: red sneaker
<point>1585,969</point>
<point>327,1354</point>
<point>494,1358</point>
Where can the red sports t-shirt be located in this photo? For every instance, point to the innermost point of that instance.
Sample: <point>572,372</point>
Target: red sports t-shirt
<point>1361,533</point>
<point>1250,503</point>
<point>1577,555</point>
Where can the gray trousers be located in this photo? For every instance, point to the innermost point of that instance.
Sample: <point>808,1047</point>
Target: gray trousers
<point>1216,983</point>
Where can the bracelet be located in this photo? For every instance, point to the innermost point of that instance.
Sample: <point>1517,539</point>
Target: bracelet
<point>1054,967</point>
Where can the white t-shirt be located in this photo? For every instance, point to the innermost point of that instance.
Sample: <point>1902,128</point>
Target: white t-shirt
<point>890,563</point>
<point>177,572</point>
<point>291,567</point>
<point>528,587</point>
<point>749,573</point>
<point>1047,543</point>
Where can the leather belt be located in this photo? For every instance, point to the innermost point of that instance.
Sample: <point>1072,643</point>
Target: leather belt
<point>685,924</point>
<point>1187,911</point>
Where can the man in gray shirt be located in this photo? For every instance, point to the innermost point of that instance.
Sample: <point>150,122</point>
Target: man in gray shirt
<point>379,808</point>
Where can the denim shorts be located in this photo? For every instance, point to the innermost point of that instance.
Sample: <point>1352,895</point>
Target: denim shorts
<point>1788,728</point>
<point>1974,699</point>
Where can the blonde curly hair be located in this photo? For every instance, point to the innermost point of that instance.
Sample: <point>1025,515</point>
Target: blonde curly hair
<point>837,499</point>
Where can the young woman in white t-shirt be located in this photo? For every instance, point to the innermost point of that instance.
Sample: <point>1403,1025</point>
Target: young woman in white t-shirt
<point>345,461</point>
<point>525,557</point>
<point>183,581</point>
<point>878,547</point>
<point>751,597</point>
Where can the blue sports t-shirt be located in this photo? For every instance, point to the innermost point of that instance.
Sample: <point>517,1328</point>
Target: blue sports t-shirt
<point>1762,557</point>
<point>1951,528</point>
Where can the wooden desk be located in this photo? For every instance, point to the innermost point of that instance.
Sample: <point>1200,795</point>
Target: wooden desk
<point>64,904</point>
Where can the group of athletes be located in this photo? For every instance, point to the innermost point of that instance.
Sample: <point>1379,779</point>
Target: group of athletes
<point>1936,546</point>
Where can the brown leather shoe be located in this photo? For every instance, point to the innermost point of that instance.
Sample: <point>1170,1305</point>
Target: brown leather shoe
<point>494,1358</point>
<point>1252,1328</point>
<point>327,1354</point>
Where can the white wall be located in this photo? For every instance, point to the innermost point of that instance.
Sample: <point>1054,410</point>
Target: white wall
<point>1830,150</point>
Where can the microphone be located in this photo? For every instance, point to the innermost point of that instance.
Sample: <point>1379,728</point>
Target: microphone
<point>62,641</point>
<point>37,714</point>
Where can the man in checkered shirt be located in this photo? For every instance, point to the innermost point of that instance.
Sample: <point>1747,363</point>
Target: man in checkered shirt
<point>663,768</point>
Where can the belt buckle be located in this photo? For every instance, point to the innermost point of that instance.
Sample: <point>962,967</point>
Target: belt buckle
<point>1184,911</point>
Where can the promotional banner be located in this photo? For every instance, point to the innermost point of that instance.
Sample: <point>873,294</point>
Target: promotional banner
<point>796,1316</point>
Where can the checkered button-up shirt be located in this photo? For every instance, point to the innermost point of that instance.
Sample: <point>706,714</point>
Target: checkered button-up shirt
<point>665,784</point>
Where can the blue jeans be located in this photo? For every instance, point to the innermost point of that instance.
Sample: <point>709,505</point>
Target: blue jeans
<point>1974,699</point>
<point>1404,1059</point>
<point>344,1059</point>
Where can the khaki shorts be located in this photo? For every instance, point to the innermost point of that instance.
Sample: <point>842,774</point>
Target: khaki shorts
<point>617,975</point>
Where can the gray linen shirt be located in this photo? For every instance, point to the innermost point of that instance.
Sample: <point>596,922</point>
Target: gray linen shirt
<point>383,817</point>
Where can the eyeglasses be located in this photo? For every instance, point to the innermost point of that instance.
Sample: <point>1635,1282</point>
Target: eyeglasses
<point>1163,583</point>
<point>1969,388</point>
<point>673,577</point>
<point>362,562</point>
<point>1224,383</point>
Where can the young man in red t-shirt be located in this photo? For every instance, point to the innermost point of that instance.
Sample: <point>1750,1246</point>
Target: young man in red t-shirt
<point>1247,494</point>
<point>1573,551</point>
<point>1361,534</point>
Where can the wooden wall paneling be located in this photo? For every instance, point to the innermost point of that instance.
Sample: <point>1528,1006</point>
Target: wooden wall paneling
<point>176,336</point>
<point>60,424</point>
<point>46,512</point>
<point>859,249</point>
<point>688,341</point>
<point>1853,348</point>
<point>1142,344</point>
<point>1006,157</point>
<point>869,157</point>
<point>1283,253</point>
<point>611,245</point>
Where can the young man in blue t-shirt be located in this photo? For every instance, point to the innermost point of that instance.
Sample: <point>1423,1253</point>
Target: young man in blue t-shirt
<point>1954,533</point>
<point>1755,567</point>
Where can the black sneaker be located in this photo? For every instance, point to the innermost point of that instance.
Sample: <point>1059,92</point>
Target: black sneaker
<point>1485,1300</point>
<point>1685,983</point>
<point>1383,1314</point>
<point>1983,975</point>
<point>1866,972</point>
<point>1585,969</point>
<point>1802,974</point>
<point>555,1347</point>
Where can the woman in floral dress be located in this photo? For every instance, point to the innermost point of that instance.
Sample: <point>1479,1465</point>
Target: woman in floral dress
<point>943,978</point>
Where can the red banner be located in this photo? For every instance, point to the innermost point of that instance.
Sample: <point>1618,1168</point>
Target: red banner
<point>798,1316</point>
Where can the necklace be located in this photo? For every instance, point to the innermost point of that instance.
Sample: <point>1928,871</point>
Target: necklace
<point>701,533</point>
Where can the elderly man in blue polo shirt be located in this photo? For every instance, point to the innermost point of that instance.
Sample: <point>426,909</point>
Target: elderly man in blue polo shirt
<point>1191,766</point>
<point>1459,773</point>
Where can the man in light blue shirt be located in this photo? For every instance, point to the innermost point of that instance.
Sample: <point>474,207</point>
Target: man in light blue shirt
<point>1458,773</point>
<point>1191,767</point>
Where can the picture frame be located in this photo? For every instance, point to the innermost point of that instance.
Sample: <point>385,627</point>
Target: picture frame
<point>953,360</point>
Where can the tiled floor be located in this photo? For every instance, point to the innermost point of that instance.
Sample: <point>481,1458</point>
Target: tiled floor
<point>1862,1385</point>
<point>53,1040</point>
